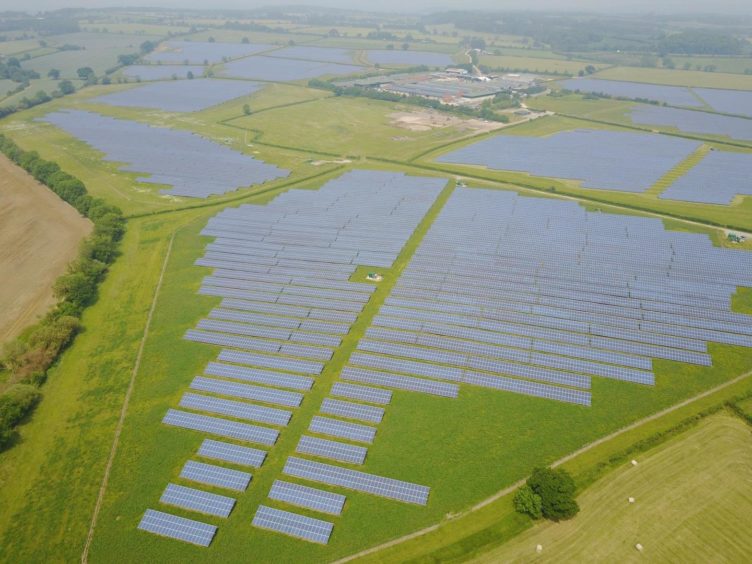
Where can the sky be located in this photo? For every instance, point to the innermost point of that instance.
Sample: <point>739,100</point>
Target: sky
<point>622,6</point>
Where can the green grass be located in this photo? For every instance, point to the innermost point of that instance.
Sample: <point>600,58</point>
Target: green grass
<point>692,504</point>
<point>679,77</point>
<point>735,65</point>
<point>356,127</point>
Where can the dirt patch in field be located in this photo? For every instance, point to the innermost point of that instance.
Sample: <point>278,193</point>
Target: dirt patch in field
<point>39,236</point>
<point>426,120</point>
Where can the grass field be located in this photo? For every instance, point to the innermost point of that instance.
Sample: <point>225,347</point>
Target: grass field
<point>534,64</point>
<point>679,77</point>
<point>735,65</point>
<point>337,125</point>
<point>692,504</point>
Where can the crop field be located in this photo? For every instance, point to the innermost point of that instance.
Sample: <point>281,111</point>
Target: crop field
<point>338,321</point>
<point>691,504</point>
<point>40,235</point>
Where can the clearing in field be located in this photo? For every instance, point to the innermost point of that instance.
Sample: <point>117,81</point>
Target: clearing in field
<point>692,503</point>
<point>39,237</point>
<point>426,120</point>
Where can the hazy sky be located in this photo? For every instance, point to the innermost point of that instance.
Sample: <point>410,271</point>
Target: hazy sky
<point>648,6</point>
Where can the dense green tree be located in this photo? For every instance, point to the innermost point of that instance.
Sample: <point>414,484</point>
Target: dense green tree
<point>556,489</point>
<point>54,74</point>
<point>528,502</point>
<point>66,87</point>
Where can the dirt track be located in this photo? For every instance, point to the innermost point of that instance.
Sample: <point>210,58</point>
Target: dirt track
<point>39,235</point>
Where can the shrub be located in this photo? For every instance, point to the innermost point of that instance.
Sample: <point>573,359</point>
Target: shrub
<point>528,502</point>
<point>15,403</point>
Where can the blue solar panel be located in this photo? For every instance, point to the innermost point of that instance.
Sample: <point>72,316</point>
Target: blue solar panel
<point>333,450</point>
<point>221,427</point>
<point>197,500</point>
<point>229,452</point>
<point>335,428</point>
<point>292,524</point>
<point>215,476</point>
<point>349,410</point>
<point>309,498</point>
<point>246,391</point>
<point>237,409</point>
<point>180,528</point>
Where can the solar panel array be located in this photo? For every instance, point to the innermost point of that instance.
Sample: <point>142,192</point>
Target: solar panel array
<point>282,70</point>
<point>673,95</point>
<point>201,52</point>
<point>178,96</point>
<point>693,121</point>
<point>292,524</point>
<point>192,165</point>
<point>197,500</point>
<point>161,72</point>
<point>737,102</point>
<point>215,476</point>
<point>617,160</point>
<point>180,528</point>
<point>537,296</point>
<point>228,452</point>
<point>283,272</point>
<point>717,179</point>
<point>310,498</point>
<point>355,480</point>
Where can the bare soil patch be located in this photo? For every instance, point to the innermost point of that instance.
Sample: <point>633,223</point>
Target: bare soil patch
<point>39,236</point>
<point>425,120</point>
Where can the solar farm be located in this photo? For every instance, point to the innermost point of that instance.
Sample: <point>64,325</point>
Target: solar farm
<point>351,313</point>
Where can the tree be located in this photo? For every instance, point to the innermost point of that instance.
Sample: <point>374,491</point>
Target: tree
<point>190,75</point>
<point>245,41</point>
<point>556,489</point>
<point>528,502</point>
<point>405,46</point>
<point>212,40</point>
<point>84,73</point>
<point>246,109</point>
<point>478,43</point>
<point>590,69</point>
<point>54,74</point>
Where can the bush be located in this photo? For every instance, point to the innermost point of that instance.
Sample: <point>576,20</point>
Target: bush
<point>15,403</point>
<point>528,502</point>
<point>556,489</point>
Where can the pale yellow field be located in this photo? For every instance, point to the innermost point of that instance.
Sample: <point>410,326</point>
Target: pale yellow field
<point>693,503</point>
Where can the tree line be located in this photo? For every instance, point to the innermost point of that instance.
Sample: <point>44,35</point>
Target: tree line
<point>29,357</point>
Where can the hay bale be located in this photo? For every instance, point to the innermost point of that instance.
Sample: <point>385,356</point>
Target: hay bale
<point>634,463</point>
<point>631,500</point>
<point>638,546</point>
<point>539,548</point>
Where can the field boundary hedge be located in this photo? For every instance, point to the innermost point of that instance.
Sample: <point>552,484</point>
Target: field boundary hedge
<point>28,357</point>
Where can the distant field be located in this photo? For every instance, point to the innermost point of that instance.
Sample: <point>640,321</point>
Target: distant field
<point>134,28</point>
<point>692,504</point>
<point>534,64</point>
<point>736,65</point>
<point>236,36</point>
<point>5,86</point>
<point>18,46</point>
<point>679,77</point>
<point>40,234</point>
<point>68,62</point>
<point>46,84</point>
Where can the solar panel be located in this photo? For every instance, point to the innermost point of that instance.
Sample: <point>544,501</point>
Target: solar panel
<point>401,382</point>
<point>292,524</point>
<point>221,427</point>
<point>229,452</point>
<point>333,450</point>
<point>237,409</point>
<point>355,480</point>
<point>309,498</point>
<point>197,500</point>
<point>363,393</point>
<point>268,377</point>
<point>215,475</point>
<point>335,428</point>
<point>351,410</point>
<point>180,528</point>
<point>264,361</point>
<point>247,391</point>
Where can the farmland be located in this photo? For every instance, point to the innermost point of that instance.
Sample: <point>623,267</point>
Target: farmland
<point>694,484</point>
<point>40,236</point>
<point>343,324</point>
